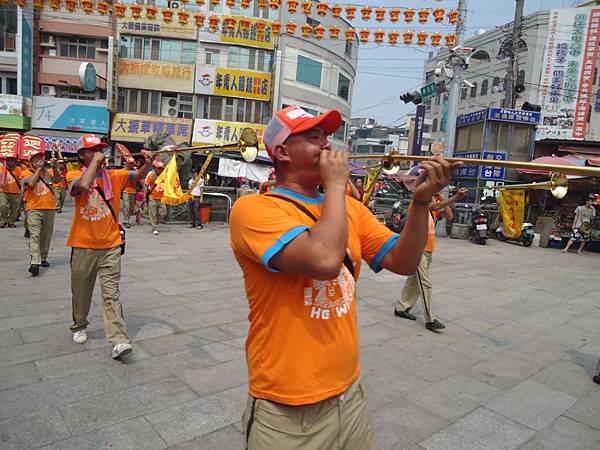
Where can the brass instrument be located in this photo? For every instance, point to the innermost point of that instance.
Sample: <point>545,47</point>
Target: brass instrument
<point>558,186</point>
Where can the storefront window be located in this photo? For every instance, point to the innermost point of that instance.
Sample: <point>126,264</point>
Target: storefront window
<point>137,101</point>
<point>498,137</point>
<point>343,87</point>
<point>153,49</point>
<point>475,136</point>
<point>8,29</point>
<point>521,140</point>
<point>76,47</point>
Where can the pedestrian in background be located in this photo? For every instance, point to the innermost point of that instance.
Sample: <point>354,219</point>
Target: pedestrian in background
<point>128,195</point>
<point>10,193</point>
<point>60,188</point>
<point>197,192</point>
<point>156,209</point>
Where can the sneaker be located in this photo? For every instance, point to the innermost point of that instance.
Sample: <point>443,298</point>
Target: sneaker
<point>34,270</point>
<point>12,225</point>
<point>45,263</point>
<point>3,225</point>
<point>27,234</point>
<point>80,337</point>
<point>120,350</point>
<point>192,226</point>
<point>435,325</point>
<point>404,314</point>
<point>155,232</point>
<point>127,225</point>
<point>199,227</point>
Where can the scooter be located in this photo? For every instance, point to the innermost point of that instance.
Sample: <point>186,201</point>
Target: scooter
<point>479,226</point>
<point>525,238</point>
<point>398,218</point>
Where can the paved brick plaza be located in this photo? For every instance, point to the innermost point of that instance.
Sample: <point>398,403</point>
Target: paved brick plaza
<point>512,370</point>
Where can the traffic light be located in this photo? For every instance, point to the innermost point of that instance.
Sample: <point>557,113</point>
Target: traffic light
<point>414,97</point>
<point>531,107</point>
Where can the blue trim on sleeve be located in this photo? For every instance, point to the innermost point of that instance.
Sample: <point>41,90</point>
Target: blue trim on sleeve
<point>285,239</point>
<point>71,193</point>
<point>130,178</point>
<point>384,250</point>
<point>308,200</point>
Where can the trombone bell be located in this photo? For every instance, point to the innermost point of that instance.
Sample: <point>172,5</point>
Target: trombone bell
<point>389,166</point>
<point>248,144</point>
<point>558,186</point>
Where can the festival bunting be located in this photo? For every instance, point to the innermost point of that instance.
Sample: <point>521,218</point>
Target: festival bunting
<point>512,208</point>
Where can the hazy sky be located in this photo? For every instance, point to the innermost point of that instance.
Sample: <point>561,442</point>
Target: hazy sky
<point>385,72</point>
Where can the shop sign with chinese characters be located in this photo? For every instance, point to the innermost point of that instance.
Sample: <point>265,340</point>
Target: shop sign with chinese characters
<point>226,82</point>
<point>137,74</point>
<point>138,127</point>
<point>467,170</point>
<point>65,114</point>
<point>219,132</point>
<point>493,172</point>
<point>156,27</point>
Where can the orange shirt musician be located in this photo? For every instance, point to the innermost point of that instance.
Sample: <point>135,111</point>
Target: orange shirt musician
<point>96,241</point>
<point>156,209</point>
<point>300,253</point>
<point>40,208</point>
<point>10,188</point>
<point>60,188</point>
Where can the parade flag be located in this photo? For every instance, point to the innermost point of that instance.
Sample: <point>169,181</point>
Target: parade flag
<point>369,183</point>
<point>512,208</point>
<point>123,151</point>
<point>169,182</point>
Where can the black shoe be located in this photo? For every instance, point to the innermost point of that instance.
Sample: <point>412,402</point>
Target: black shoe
<point>199,227</point>
<point>435,325</point>
<point>27,234</point>
<point>596,379</point>
<point>59,210</point>
<point>34,270</point>
<point>192,226</point>
<point>404,314</point>
<point>11,225</point>
<point>45,263</point>
<point>3,225</point>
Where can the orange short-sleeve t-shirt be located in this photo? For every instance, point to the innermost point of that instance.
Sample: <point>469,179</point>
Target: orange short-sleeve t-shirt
<point>157,191</point>
<point>93,225</point>
<point>433,217</point>
<point>11,186</point>
<point>39,196</point>
<point>62,184</point>
<point>302,344</point>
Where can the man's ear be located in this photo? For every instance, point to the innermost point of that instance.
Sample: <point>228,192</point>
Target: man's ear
<point>281,153</point>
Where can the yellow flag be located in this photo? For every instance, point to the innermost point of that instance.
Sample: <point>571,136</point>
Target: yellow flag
<point>512,208</point>
<point>369,183</point>
<point>168,181</point>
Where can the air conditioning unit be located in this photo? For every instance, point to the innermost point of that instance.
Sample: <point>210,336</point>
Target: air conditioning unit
<point>169,107</point>
<point>48,90</point>
<point>174,4</point>
<point>48,41</point>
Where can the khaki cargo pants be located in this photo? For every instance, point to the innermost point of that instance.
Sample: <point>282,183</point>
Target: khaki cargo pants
<point>59,197</point>
<point>41,225</point>
<point>342,422</point>
<point>157,210</point>
<point>86,264</point>
<point>128,202</point>
<point>9,208</point>
<point>418,285</point>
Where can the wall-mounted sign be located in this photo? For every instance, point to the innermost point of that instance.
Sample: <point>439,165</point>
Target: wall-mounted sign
<point>227,82</point>
<point>138,74</point>
<point>25,50</point>
<point>220,132</point>
<point>493,172</point>
<point>156,27</point>
<point>87,76</point>
<point>138,127</point>
<point>11,104</point>
<point>467,170</point>
<point>65,114</point>
<point>63,144</point>
<point>514,115</point>
<point>249,37</point>
<point>474,117</point>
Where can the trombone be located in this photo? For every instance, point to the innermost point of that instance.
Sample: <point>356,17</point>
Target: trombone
<point>558,185</point>
<point>246,146</point>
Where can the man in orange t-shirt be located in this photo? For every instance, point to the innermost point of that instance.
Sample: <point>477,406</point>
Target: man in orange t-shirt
<point>60,188</point>
<point>300,253</point>
<point>419,283</point>
<point>40,208</point>
<point>95,239</point>
<point>9,194</point>
<point>156,209</point>
<point>128,195</point>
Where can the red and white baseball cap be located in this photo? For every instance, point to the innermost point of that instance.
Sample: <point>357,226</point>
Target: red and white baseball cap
<point>158,164</point>
<point>88,141</point>
<point>293,120</point>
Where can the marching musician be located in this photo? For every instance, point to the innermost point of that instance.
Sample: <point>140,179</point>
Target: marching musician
<point>10,198</point>
<point>129,194</point>
<point>156,209</point>
<point>300,252</point>
<point>60,188</point>
<point>95,240</point>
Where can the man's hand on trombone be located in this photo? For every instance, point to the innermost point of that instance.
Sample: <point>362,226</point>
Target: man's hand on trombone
<point>434,175</point>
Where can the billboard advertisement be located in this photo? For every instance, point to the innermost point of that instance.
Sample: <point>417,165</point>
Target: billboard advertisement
<point>157,76</point>
<point>156,27</point>
<point>225,82</point>
<point>249,37</point>
<point>138,127</point>
<point>66,114</point>
<point>221,132</point>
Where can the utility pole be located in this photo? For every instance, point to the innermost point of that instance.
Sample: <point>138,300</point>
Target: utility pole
<point>513,67</point>
<point>455,82</point>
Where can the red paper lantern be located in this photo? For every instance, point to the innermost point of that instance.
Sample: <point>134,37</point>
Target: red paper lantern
<point>215,2</point>
<point>102,6</point>
<point>200,2</point>
<point>213,22</point>
<point>366,12</point>
<point>87,6</point>
<point>39,4</point>
<point>409,15</point>
<point>136,10</point>
<point>167,15</point>
<point>292,6</point>
<point>245,4</point>
<point>334,32</point>
<point>230,3</point>
<point>290,28</point>
<point>306,30</point>
<point>183,16</point>
<point>436,39</point>
<point>229,23</point>
<point>151,12</point>
<point>350,12</point>
<point>423,15</point>
<point>244,24</point>
<point>336,11</point>
<point>408,37</point>
<point>379,35</point>
<point>276,28</point>
<point>364,35</point>
<point>199,19</point>
<point>322,8</point>
<point>453,16</point>
<point>118,9</point>
<point>380,14</point>
<point>70,5</point>
<point>350,34</point>
<point>22,3</point>
<point>438,14</point>
<point>393,37</point>
<point>450,40</point>
<point>307,8</point>
<point>55,5</point>
<point>262,4</point>
<point>422,38</point>
<point>274,4</point>
<point>394,15</point>
<point>319,32</point>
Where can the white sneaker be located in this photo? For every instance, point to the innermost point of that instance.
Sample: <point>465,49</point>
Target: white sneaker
<point>155,232</point>
<point>119,350</point>
<point>80,337</point>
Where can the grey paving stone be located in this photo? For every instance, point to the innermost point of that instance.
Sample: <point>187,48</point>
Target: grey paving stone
<point>440,363</point>
<point>565,433</point>
<point>402,424</point>
<point>481,347</point>
<point>199,417</point>
<point>129,435</point>
<point>216,378</point>
<point>504,370</point>
<point>567,377</point>
<point>454,396</point>
<point>587,410</point>
<point>37,350</point>
<point>30,320</point>
<point>169,343</point>
<point>33,430</point>
<point>481,429</point>
<point>9,338</point>
<point>532,404</point>
<point>18,375</point>
<point>223,351</point>
<point>229,438</point>
<point>385,385</point>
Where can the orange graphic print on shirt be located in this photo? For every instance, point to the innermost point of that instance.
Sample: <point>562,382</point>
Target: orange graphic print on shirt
<point>39,196</point>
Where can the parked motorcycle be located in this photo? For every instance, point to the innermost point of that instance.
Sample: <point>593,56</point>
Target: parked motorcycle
<point>398,218</point>
<point>479,226</point>
<point>525,238</point>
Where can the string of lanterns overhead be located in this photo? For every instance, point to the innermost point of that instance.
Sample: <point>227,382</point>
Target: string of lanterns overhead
<point>318,32</point>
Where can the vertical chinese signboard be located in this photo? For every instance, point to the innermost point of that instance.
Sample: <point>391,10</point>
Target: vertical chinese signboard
<point>570,60</point>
